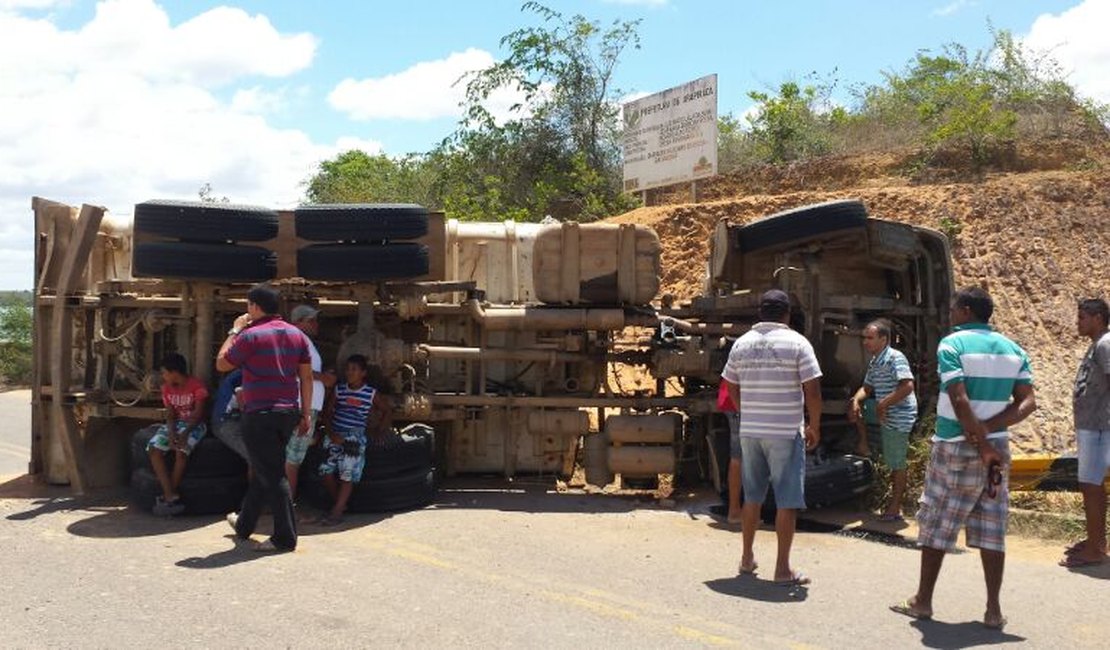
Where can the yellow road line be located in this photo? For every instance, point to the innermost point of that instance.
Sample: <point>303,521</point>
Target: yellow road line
<point>607,604</point>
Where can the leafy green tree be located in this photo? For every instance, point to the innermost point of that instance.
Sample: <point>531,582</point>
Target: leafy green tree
<point>956,98</point>
<point>16,323</point>
<point>734,145</point>
<point>798,122</point>
<point>357,177</point>
<point>559,151</point>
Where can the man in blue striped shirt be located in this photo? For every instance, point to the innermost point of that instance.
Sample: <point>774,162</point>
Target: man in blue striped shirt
<point>889,380</point>
<point>986,386</point>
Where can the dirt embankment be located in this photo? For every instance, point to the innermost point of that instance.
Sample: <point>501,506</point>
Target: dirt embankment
<point>1038,241</point>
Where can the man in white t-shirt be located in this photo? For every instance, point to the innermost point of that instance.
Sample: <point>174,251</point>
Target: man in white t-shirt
<point>305,318</point>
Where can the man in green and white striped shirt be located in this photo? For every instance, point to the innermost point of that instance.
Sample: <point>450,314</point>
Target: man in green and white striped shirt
<point>986,386</point>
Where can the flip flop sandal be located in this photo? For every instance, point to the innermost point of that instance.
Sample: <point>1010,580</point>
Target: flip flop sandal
<point>1075,562</point>
<point>747,571</point>
<point>889,518</point>
<point>905,608</point>
<point>995,625</point>
<point>329,521</point>
<point>797,580</point>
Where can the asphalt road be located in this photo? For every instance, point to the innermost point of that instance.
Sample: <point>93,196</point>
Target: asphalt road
<point>495,564</point>
<point>15,432</point>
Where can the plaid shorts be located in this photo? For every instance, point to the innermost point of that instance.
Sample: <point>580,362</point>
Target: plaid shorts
<point>346,466</point>
<point>956,496</point>
<point>161,438</point>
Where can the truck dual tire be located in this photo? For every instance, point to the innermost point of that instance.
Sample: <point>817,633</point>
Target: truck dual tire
<point>409,491</point>
<point>828,481</point>
<point>399,475</point>
<point>361,222</point>
<point>790,226</point>
<point>198,221</point>
<point>214,495</point>
<point>195,261</point>
<point>362,262</point>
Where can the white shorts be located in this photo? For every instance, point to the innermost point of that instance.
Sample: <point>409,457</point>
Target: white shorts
<point>1094,455</point>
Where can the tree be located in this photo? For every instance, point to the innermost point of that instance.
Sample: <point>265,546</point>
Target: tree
<point>559,151</point>
<point>357,177</point>
<point>16,323</point>
<point>788,126</point>
<point>206,195</point>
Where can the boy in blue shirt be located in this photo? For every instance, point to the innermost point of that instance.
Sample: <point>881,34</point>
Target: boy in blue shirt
<point>345,444</point>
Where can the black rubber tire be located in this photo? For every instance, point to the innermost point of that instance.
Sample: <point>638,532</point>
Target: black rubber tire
<point>201,496</point>
<point>829,481</point>
<point>358,262</point>
<point>413,448</point>
<point>212,458</point>
<point>415,489</point>
<point>217,262</point>
<point>205,222</point>
<point>802,223</point>
<point>361,222</point>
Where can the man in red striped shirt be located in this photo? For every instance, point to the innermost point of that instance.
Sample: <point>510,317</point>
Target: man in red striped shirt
<point>273,355</point>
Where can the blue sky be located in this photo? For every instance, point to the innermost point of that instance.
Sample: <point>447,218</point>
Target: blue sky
<point>117,101</point>
<point>750,45</point>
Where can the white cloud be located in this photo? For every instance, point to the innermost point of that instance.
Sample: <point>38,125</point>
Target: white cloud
<point>1076,38</point>
<point>952,7</point>
<point>123,109</point>
<point>258,100</point>
<point>428,90</point>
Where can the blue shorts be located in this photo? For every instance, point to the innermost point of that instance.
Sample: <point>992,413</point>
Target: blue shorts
<point>161,438</point>
<point>779,463</point>
<point>346,466</point>
<point>1094,455</point>
<point>298,445</point>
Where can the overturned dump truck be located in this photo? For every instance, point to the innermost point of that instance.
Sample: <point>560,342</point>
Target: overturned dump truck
<point>530,348</point>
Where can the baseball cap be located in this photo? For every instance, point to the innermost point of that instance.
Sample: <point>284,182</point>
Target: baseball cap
<point>302,312</point>
<point>774,297</point>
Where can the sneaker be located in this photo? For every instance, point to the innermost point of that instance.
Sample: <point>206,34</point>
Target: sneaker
<point>163,508</point>
<point>233,521</point>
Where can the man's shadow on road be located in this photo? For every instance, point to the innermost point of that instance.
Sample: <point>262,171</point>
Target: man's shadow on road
<point>241,552</point>
<point>754,588</point>
<point>937,634</point>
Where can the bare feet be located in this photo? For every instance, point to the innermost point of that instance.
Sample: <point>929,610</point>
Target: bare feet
<point>994,620</point>
<point>734,518</point>
<point>748,566</point>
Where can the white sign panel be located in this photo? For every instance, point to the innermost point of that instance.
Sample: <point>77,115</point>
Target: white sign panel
<point>671,137</point>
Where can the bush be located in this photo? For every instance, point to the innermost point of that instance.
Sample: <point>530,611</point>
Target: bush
<point>15,339</point>
<point>917,459</point>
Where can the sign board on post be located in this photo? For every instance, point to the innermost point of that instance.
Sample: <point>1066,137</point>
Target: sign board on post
<point>671,137</point>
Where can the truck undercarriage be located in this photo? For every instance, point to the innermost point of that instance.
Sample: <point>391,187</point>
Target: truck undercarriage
<point>509,339</point>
